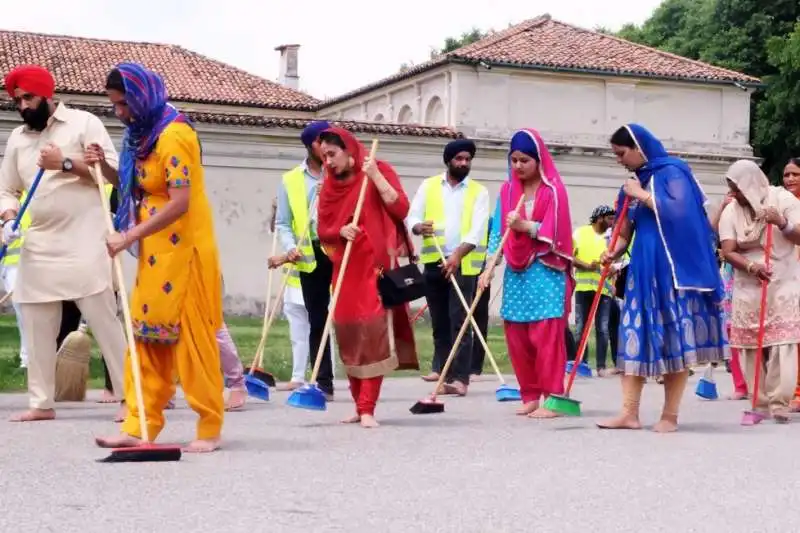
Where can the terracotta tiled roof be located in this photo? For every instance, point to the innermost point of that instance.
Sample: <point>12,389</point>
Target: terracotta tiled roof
<point>547,44</point>
<point>256,121</point>
<point>80,66</point>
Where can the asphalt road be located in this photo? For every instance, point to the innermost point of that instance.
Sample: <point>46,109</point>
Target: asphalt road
<point>474,468</point>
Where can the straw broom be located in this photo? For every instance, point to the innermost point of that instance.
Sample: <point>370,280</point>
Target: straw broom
<point>72,365</point>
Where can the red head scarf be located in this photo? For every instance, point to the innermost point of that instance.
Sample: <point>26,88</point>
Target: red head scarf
<point>31,79</point>
<point>337,204</point>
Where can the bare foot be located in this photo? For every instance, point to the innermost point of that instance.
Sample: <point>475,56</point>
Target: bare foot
<point>794,406</point>
<point>541,412</point>
<point>122,412</point>
<point>528,408</point>
<point>108,397</point>
<point>203,446</point>
<point>433,376</point>
<point>781,416</point>
<point>34,415</point>
<point>455,388</point>
<point>621,422</point>
<point>738,396</point>
<point>117,441</point>
<point>290,386</point>
<point>666,425</point>
<point>368,421</point>
<point>355,419</point>
<point>236,400</point>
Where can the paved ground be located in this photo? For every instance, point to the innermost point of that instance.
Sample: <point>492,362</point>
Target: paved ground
<point>474,468</point>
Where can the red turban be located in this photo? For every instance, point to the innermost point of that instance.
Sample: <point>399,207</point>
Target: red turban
<point>31,79</point>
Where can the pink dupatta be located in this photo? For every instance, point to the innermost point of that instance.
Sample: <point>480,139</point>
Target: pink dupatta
<point>553,243</point>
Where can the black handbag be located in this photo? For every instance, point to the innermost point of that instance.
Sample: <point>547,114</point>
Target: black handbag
<point>403,284</point>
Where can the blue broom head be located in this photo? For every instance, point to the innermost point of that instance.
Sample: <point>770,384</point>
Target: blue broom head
<point>706,389</point>
<point>584,370</point>
<point>307,397</point>
<point>256,388</point>
<point>568,368</point>
<point>504,393</point>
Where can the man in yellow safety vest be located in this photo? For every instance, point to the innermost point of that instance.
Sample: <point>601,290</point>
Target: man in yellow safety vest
<point>589,243</point>
<point>296,196</point>
<point>451,210</point>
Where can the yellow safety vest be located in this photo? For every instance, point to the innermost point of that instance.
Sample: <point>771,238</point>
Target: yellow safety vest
<point>294,182</point>
<point>472,263</point>
<point>588,247</point>
<point>14,249</point>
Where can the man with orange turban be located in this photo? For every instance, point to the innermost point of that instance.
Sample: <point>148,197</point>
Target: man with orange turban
<point>63,257</point>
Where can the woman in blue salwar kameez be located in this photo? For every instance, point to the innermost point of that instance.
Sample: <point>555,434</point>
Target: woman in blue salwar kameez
<point>672,316</point>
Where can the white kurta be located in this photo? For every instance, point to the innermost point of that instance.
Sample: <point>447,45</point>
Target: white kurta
<point>64,255</point>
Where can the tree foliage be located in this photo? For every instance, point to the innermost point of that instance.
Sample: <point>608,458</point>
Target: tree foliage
<point>454,43</point>
<point>751,36</point>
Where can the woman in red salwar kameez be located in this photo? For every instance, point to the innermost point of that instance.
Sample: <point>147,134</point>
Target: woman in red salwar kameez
<point>359,319</point>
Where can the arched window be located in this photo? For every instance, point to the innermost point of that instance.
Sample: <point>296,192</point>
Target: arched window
<point>434,113</point>
<point>405,116</point>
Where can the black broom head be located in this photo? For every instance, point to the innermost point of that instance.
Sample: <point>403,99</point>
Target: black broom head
<point>266,377</point>
<point>427,407</point>
<point>143,454</point>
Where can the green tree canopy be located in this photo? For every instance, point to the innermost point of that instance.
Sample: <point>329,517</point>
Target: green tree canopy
<point>750,36</point>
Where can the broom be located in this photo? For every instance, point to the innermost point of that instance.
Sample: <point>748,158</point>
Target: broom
<point>146,450</point>
<point>72,365</point>
<point>257,371</point>
<point>504,393</point>
<point>429,405</point>
<point>753,416</point>
<point>563,404</point>
<point>255,384</point>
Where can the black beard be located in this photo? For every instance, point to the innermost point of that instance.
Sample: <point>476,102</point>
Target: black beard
<point>458,173</point>
<point>36,119</point>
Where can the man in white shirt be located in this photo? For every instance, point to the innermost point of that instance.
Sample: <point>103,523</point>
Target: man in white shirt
<point>452,210</point>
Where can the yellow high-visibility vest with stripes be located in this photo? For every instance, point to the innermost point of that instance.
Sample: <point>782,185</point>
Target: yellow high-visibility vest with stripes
<point>588,247</point>
<point>294,182</point>
<point>14,249</point>
<point>472,263</point>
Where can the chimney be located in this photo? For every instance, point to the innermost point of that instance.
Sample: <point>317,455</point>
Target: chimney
<point>287,71</point>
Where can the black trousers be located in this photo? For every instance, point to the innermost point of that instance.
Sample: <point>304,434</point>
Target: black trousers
<point>316,293</point>
<point>447,316</point>
<point>613,330</point>
<point>482,319</point>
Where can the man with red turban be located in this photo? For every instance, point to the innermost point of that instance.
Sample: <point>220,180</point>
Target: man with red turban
<point>63,257</point>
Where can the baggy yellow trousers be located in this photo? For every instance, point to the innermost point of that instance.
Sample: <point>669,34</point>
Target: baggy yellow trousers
<point>195,357</point>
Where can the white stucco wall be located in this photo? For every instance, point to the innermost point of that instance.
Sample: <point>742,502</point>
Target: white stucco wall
<point>567,108</point>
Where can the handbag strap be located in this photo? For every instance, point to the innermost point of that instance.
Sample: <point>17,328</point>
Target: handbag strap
<point>412,257</point>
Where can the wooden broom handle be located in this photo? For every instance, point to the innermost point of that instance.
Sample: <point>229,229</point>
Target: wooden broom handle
<point>490,270</point>
<point>126,309</point>
<point>471,318</point>
<point>596,302</point>
<point>345,259</point>
<point>264,329</point>
<point>762,317</point>
<point>269,316</point>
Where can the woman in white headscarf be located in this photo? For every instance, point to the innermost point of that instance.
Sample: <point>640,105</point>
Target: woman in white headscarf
<point>742,232</point>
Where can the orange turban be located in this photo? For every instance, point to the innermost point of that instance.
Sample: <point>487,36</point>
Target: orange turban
<point>31,79</point>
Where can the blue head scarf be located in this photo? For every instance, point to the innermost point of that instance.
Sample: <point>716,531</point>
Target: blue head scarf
<point>151,113</point>
<point>685,231</point>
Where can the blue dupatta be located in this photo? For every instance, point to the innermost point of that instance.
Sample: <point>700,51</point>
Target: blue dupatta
<point>686,233</point>
<point>151,113</point>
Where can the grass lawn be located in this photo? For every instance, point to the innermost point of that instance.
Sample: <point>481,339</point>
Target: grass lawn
<point>246,333</point>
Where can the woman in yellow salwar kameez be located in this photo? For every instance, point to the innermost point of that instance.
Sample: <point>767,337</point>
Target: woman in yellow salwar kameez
<point>164,219</point>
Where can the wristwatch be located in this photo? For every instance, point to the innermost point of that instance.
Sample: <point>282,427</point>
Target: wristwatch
<point>66,165</point>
